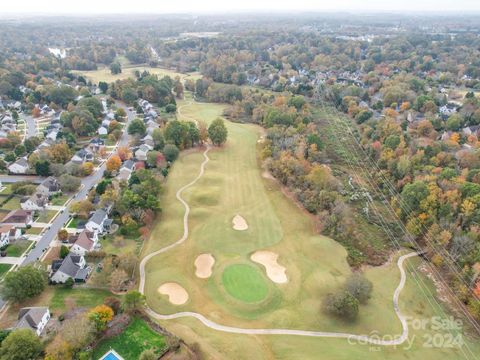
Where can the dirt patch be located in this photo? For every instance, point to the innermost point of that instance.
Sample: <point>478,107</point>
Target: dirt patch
<point>275,271</point>
<point>239,223</point>
<point>177,295</point>
<point>267,175</point>
<point>204,264</point>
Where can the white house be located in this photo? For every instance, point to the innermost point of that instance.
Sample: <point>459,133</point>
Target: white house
<point>141,153</point>
<point>8,233</point>
<point>73,266</point>
<point>102,130</point>
<point>19,167</point>
<point>128,167</point>
<point>37,201</point>
<point>97,221</point>
<point>84,242</point>
<point>5,235</point>
<point>33,318</point>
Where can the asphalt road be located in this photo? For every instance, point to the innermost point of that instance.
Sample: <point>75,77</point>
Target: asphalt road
<point>31,126</point>
<point>59,222</point>
<point>16,178</point>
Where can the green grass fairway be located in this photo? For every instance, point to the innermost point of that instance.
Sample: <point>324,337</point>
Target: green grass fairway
<point>104,74</point>
<point>245,283</point>
<point>315,265</point>
<point>136,338</point>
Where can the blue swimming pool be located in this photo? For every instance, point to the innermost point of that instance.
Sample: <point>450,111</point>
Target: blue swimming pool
<point>111,355</point>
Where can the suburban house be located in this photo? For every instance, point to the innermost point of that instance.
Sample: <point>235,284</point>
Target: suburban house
<point>82,156</point>
<point>49,186</point>
<point>148,140</point>
<point>83,242</point>
<point>18,218</point>
<point>37,201</point>
<point>471,130</point>
<point>8,233</point>
<point>33,318</point>
<point>98,221</point>
<point>102,130</point>
<point>19,167</point>
<point>73,266</point>
<point>128,167</point>
<point>96,144</point>
<point>141,153</point>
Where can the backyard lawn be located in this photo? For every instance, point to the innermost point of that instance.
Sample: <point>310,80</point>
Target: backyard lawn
<point>117,244</point>
<point>7,189</point>
<point>18,248</point>
<point>12,204</point>
<point>78,297</point>
<point>4,268</point>
<point>46,215</point>
<point>60,200</point>
<point>34,231</point>
<point>136,338</point>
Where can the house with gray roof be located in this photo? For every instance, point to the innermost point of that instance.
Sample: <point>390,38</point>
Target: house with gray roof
<point>96,222</point>
<point>82,156</point>
<point>73,266</point>
<point>33,318</point>
<point>49,186</point>
<point>19,167</point>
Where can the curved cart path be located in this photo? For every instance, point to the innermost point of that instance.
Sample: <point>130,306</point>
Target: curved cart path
<point>396,340</point>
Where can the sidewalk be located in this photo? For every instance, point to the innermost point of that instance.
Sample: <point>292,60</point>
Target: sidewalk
<point>11,260</point>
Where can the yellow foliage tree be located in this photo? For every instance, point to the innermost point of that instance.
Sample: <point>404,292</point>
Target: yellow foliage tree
<point>100,316</point>
<point>113,163</point>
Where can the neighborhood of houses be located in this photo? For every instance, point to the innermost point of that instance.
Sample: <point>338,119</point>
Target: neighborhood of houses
<point>25,221</point>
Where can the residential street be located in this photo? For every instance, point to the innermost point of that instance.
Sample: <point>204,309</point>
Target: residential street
<point>16,178</point>
<point>87,183</point>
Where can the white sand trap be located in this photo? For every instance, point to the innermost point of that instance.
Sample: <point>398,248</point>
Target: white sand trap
<point>204,264</point>
<point>177,295</point>
<point>239,223</point>
<point>275,271</point>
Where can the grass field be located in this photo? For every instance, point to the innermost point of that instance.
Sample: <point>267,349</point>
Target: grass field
<point>18,248</point>
<point>12,204</point>
<point>4,269</point>
<point>60,200</point>
<point>316,265</point>
<point>245,283</point>
<point>104,74</point>
<point>34,231</point>
<point>136,338</point>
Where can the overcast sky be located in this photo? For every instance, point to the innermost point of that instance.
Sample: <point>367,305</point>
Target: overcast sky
<point>210,6</point>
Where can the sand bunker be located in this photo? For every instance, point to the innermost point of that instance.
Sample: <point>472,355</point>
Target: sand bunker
<point>239,223</point>
<point>275,272</point>
<point>177,295</point>
<point>204,264</point>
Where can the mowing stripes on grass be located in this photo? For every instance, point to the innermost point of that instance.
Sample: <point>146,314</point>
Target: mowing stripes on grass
<point>245,283</point>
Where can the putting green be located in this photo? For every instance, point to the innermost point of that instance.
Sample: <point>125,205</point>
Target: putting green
<point>245,283</point>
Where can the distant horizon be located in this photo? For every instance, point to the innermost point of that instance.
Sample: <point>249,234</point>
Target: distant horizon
<point>425,13</point>
<point>218,7</point>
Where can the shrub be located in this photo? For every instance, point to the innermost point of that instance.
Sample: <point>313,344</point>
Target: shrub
<point>342,304</point>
